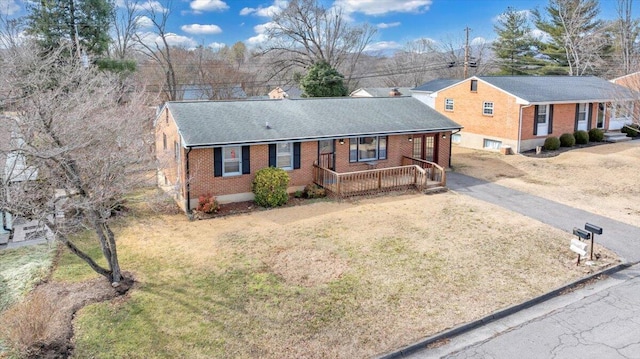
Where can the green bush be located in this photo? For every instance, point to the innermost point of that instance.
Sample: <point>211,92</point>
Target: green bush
<point>596,135</point>
<point>551,143</point>
<point>582,137</point>
<point>270,187</point>
<point>567,140</point>
<point>312,190</point>
<point>629,131</point>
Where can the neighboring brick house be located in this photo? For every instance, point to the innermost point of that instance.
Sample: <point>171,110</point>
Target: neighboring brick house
<point>522,111</point>
<point>629,113</point>
<point>289,92</point>
<point>216,147</point>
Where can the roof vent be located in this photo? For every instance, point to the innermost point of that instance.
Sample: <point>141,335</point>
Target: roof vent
<point>394,92</point>
<point>266,125</point>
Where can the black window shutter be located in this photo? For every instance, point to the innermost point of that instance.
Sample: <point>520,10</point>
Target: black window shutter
<point>296,155</point>
<point>575,126</point>
<point>272,155</point>
<point>550,119</point>
<point>217,161</point>
<point>535,120</point>
<point>589,117</point>
<point>246,161</point>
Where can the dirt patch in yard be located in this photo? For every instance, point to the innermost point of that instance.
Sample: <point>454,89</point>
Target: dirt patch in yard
<point>600,179</point>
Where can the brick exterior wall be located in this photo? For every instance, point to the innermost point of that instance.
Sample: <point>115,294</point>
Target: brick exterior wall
<point>237,188</point>
<point>171,174</point>
<point>504,123</point>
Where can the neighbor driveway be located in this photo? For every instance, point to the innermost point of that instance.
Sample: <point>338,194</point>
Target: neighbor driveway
<point>622,238</point>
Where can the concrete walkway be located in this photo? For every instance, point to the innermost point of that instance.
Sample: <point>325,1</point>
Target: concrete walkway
<point>620,237</point>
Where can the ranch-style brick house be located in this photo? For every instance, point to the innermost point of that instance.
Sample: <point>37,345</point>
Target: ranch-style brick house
<point>522,111</point>
<point>346,145</point>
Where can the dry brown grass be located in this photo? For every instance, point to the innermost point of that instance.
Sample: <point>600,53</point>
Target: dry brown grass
<point>336,280</point>
<point>28,323</point>
<point>601,179</point>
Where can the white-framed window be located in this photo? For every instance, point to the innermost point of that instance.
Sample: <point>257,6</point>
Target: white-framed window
<point>232,161</point>
<point>542,114</point>
<point>622,109</point>
<point>284,155</point>
<point>491,144</point>
<point>456,138</point>
<point>487,108</point>
<point>176,150</point>
<point>448,104</point>
<point>369,148</point>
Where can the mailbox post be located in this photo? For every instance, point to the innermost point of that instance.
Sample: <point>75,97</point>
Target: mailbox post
<point>577,245</point>
<point>594,230</point>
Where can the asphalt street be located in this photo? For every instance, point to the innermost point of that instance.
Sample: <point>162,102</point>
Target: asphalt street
<point>600,320</point>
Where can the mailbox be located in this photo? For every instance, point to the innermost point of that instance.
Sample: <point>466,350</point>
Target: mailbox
<point>593,228</point>
<point>581,233</point>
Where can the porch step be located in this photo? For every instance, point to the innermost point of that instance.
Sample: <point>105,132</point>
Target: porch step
<point>615,136</point>
<point>436,189</point>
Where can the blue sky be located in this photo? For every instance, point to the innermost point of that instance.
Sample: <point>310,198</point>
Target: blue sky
<point>218,22</point>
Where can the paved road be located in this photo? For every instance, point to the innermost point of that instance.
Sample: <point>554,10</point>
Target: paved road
<point>601,320</point>
<point>620,237</point>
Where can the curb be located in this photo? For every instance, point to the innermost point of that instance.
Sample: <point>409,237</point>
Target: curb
<point>464,328</point>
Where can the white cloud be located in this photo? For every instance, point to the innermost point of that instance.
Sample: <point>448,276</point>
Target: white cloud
<point>149,5</point>
<point>208,5</point>
<point>178,40</point>
<point>217,45</point>
<point>527,14</point>
<point>201,29</point>
<point>9,7</point>
<point>144,22</point>
<point>381,7</point>
<point>269,11</point>
<point>257,40</point>
<point>385,25</point>
<point>382,46</point>
<point>479,41</point>
<point>540,35</point>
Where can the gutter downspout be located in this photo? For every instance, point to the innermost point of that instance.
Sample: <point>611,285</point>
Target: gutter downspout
<point>520,128</point>
<point>451,143</point>
<point>188,199</point>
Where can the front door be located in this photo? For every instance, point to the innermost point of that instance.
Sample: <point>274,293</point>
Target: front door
<point>600,118</point>
<point>583,116</point>
<point>424,147</point>
<point>542,121</point>
<point>326,154</point>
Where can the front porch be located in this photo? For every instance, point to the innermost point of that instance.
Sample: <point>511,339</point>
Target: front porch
<point>413,173</point>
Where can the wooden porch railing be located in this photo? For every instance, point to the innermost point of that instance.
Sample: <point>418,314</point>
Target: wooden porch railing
<point>370,181</point>
<point>436,175</point>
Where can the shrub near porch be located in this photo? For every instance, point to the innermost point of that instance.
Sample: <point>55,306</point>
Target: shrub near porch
<point>339,280</point>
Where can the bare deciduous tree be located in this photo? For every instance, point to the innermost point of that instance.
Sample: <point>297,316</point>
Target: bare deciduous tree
<point>90,147</point>
<point>307,33</point>
<point>125,25</point>
<point>160,53</point>
<point>625,30</point>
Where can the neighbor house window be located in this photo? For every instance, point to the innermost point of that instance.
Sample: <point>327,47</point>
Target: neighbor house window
<point>456,137</point>
<point>492,144</point>
<point>448,104</point>
<point>487,108</point>
<point>474,85</point>
<point>370,148</point>
<point>176,147</point>
<point>582,112</point>
<point>232,161</point>
<point>164,141</point>
<point>284,155</point>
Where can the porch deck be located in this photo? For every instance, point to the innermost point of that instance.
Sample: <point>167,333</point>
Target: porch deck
<point>414,173</point>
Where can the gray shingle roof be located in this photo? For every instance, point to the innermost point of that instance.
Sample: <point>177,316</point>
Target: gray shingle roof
<point>436,85</point>
<point>206,123</point>
<point>540,89</point>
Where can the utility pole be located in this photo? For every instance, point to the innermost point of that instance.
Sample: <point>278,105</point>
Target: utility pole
<point>466,53</point>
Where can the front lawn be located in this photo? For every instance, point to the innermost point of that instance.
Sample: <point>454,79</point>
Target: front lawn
<point>329,279</point>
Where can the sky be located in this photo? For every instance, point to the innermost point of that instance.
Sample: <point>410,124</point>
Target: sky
<point>216,23</point>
